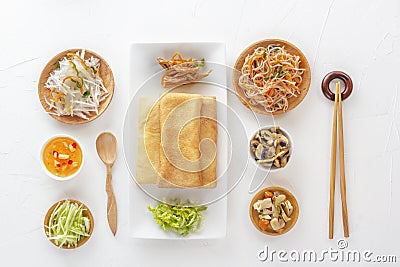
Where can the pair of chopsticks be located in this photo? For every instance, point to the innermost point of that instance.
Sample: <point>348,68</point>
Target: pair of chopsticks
<point>338,123</point>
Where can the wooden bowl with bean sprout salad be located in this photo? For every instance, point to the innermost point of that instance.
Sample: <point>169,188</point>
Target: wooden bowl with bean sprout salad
<point>271,76</point>
<point>76,86</point>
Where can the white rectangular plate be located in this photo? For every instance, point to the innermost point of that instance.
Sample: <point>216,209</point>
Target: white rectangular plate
<point>146,82</point>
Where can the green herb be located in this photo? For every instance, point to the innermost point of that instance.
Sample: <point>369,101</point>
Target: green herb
<point>94,69</point>
<point>86,94</point>
<point>202,62</point>
<point>273,48</point>
<point>283,74</point>
<point>77,74</point>
<point>58,64</point>
<point>74,67</point>
<point>79,85</point>
<point>199,63</point>
<point>179,218</point>
<point>67,225</point>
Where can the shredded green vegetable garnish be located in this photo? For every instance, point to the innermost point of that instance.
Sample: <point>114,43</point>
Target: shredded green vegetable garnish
<point>178,218</point>
<point>67,225</point>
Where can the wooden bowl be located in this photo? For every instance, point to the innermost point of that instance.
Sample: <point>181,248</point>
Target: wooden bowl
<point>105,73</point>
<point>289,225</point>
<point>85,213</point>
<point>290,48</point>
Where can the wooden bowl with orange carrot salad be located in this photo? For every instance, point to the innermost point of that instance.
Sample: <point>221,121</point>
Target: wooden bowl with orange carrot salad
<point>271,76</point>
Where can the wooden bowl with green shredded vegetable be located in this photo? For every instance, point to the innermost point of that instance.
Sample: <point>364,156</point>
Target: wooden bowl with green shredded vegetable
<point>68,224</point>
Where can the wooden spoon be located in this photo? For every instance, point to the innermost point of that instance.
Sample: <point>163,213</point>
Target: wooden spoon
<point>106,145</point>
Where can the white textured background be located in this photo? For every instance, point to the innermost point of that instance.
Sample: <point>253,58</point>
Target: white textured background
<point>361,38</point>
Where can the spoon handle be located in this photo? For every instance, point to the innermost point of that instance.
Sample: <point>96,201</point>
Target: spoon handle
<point>111,202</point>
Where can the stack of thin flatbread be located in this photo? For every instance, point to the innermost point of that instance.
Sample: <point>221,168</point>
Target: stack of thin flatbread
<point>178,141</point>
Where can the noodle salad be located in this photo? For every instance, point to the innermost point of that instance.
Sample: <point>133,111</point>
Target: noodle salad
<point>76,88</point>
<point>270,76</point>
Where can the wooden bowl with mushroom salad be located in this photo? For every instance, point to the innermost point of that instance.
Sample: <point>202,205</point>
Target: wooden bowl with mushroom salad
<point>274,211</point>
<point>271,147</point>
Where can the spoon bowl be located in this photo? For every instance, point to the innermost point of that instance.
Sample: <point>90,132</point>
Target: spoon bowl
<point>106,146</point>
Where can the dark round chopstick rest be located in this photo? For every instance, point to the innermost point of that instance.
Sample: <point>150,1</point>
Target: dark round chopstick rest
<point>348,84</point>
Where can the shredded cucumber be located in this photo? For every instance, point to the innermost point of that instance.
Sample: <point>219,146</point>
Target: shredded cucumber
<point>178,218</point>
<point>67,224</point>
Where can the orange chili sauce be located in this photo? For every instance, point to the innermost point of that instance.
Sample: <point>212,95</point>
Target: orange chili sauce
<point>62,156</point>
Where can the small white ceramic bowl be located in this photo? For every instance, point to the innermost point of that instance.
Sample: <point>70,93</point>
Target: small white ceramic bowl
<point>289,137</point>
<point>51,175</point>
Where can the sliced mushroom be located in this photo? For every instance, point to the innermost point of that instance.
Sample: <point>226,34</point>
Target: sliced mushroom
<point>278,149</point>
<point>276,135</point>
<point>270,152</point>
<point>270,142</point>
<point>283,141</point>
<point>283,213</point>
<point>253,145</point>
<point>275,129</point>
<point>277,163</point>
<point>260,152</point>
<point>282,152</point>
<point>284,160</point>
<point>275,211</point>
<point>265,133</point>
<point>279,199</point>
<point>277,224</point>
<point>262,204</point>
<point>288,207</point>
<point>263,161</point>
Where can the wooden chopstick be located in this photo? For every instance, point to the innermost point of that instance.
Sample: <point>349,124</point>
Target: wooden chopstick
<point>342,172</point>
<point>338,123</point>
<point>333,165</point>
